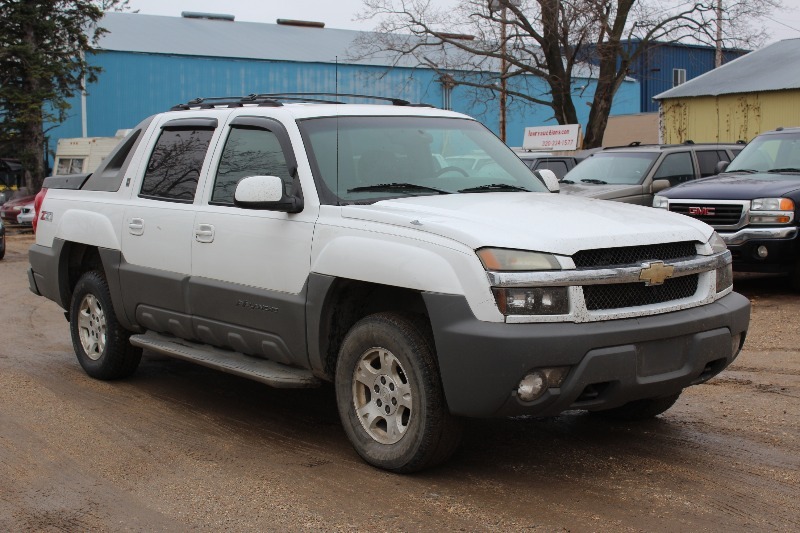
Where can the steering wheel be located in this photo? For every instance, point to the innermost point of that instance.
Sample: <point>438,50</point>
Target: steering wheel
<point>448,169</point>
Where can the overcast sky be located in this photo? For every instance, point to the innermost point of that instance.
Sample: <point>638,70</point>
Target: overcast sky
<point>340,14</point>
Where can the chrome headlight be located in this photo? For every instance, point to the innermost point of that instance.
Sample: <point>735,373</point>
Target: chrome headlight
<point>502,259</point>
<point>525,300</point>
<point>771,211</point>
<point>662,202</point>
<point>716,243</point>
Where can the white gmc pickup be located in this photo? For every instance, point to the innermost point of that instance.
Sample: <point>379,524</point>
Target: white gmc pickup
<point>401,252</point>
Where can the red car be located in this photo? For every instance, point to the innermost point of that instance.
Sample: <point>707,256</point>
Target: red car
<point>11,209</point>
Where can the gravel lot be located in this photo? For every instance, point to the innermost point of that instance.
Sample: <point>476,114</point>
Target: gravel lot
<point>180,447</point>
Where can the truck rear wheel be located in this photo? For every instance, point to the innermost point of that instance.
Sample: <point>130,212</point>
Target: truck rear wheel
<point>100,342</point>
<point>640,409</point>
<point>390,396</point>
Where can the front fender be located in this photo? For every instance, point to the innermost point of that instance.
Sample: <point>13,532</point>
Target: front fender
<point>385,262</point>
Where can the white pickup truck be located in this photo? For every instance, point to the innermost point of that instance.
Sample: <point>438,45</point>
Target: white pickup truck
<point>299,243</point>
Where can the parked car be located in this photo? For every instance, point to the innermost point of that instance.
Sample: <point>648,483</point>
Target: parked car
<point>26,215</point>
<point>2,240</point>
<point>12,208</point>
<point>559,164</point>
<point>634,173</point>
<point>754,204</point>
<point>320,242</point>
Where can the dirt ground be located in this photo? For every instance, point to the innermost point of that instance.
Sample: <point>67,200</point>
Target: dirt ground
<point>179,447</point>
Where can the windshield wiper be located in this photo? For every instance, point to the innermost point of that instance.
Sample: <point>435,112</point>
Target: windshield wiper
<point>568,182</point>
<point>495,187</point>
<point>787,169</point>
<point>397,187</point>
<point>595,182</point>
<point>745,170</point>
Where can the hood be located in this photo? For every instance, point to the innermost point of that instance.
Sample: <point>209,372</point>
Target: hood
<point>19,201</point>
<point>542,222</point>
<point>736,187</point>
<point>605,192</point>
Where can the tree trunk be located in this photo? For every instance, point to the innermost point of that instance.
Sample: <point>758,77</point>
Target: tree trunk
<point>32,131</point>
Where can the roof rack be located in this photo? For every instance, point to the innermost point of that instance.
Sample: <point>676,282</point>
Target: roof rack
<point>276,99</point>
<point>227,101</point>
<point>305,97</point>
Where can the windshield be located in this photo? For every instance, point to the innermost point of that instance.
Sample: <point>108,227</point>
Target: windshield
<point>619,168</point>
<point>366,159</point>
<point>777,153</point>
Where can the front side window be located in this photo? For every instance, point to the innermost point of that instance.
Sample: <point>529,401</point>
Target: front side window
<point>676,168</point>
<point>175,164</point>
<point>249,152</point>
<point>365,159</point>
<point>707,161</point>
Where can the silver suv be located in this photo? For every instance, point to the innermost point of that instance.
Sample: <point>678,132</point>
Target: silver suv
<point>634,173</point>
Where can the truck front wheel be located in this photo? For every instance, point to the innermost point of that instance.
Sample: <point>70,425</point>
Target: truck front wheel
<point>390,397</point>
<point>100,342</point>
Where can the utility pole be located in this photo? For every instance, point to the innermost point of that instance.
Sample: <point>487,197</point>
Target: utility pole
<point>503,6</point>
<point>718,57</point>
<point>503,81</point>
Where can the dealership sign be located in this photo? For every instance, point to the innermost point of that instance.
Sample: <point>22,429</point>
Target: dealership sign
<point>552,137</point>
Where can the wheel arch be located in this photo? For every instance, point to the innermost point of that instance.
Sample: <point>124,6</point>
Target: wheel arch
<point>76,259</point>
<point>336,304</point>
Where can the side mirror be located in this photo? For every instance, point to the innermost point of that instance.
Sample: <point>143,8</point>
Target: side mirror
<point>549,179</point>
<point>660,185</point>
<point>721,167</point>
<point>265,192</point>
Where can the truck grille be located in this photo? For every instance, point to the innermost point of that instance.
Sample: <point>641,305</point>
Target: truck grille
<point>631,255</point>
<point>714,215</point>
<point>620,295</point>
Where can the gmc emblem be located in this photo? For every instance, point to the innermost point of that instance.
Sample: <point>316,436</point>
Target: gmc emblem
<point>707,211</point>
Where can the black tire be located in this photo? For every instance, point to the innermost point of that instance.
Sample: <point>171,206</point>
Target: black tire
<point>640,409</point>
<point>419,431</point>
<point>100,342</point>
<point>794,275</point>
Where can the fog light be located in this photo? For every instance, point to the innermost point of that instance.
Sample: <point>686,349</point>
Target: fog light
<point>531,387</point>
<point>762,251</point>
<point>534,384</point>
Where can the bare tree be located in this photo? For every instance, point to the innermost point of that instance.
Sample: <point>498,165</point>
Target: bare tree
<point>505,45</point>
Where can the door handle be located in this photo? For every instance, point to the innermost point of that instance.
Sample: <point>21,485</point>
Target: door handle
<point>136,226</point>
<point>204,233</point>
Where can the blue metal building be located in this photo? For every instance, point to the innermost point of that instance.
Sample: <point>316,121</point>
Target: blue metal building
<point>663,66</point>
<point>151,63</point>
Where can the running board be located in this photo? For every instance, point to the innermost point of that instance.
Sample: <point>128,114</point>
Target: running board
<point>238,364</point>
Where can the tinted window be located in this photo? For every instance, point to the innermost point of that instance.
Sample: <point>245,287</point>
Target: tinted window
<point>175,164</point>
<point>676,168</point>
<point>707,161</point>
<point>249,152</point>
<point>559,168</point>
<point>619,168</point>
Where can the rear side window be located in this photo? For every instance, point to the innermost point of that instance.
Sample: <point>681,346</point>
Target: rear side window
<point>676,168</point>
<point>249,152</point>
<point>174,166</point>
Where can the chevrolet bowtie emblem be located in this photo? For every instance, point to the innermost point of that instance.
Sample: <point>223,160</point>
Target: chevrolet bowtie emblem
<point>656,273</point>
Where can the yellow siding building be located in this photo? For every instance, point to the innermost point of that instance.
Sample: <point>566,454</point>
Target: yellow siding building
<point>756,93</point>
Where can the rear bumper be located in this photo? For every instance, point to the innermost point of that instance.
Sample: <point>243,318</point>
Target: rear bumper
<point>611,363</point>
